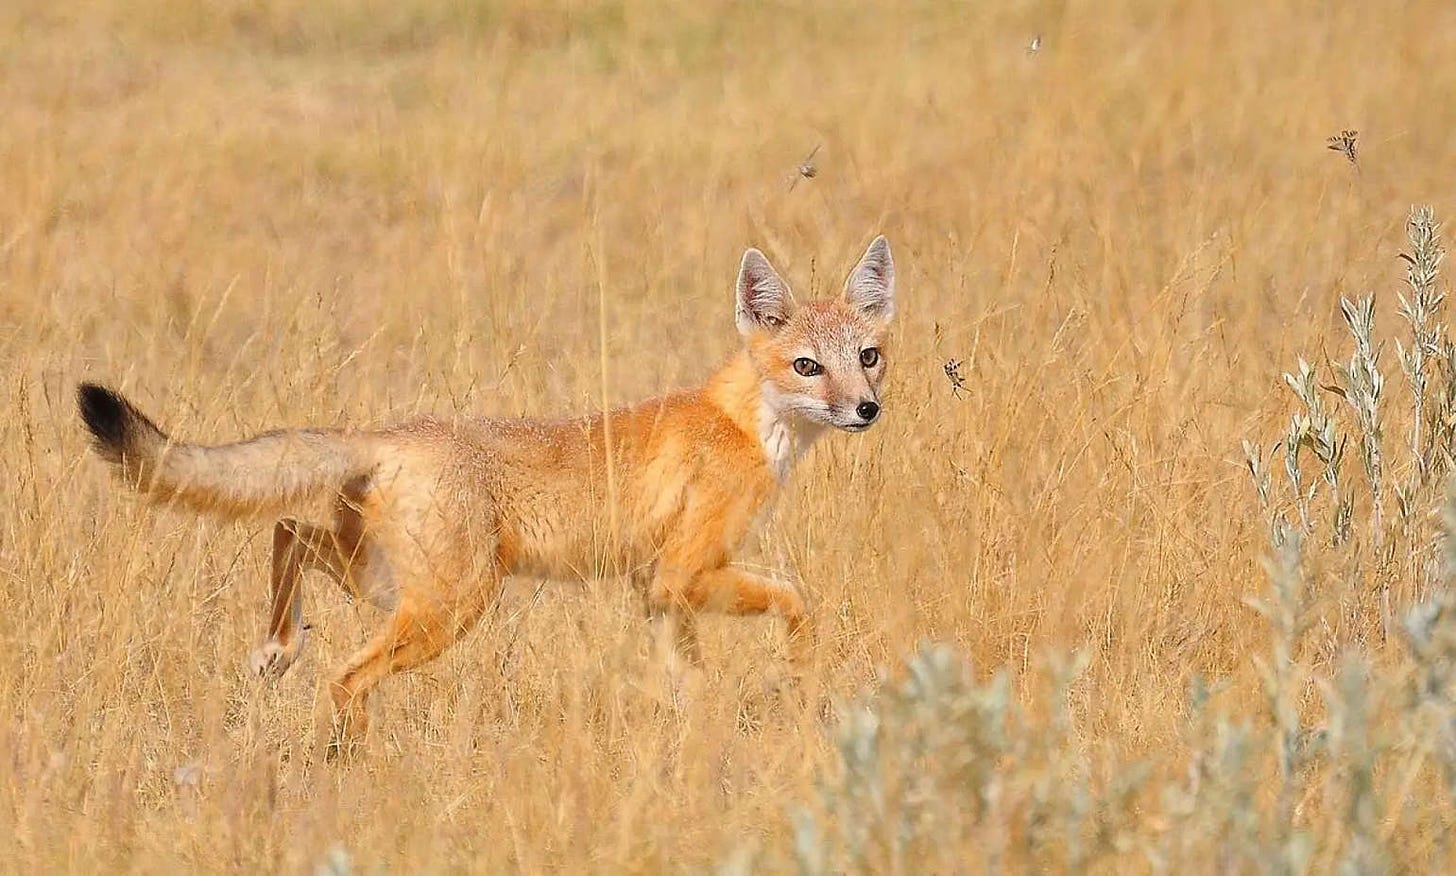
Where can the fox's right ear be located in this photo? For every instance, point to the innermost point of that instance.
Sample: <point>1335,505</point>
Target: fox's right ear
<point>764,301</point>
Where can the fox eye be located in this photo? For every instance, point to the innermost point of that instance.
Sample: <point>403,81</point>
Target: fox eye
<point>869,357</point>
<point>807,367</point>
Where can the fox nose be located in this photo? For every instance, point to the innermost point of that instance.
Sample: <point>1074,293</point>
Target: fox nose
<point>867,411</point>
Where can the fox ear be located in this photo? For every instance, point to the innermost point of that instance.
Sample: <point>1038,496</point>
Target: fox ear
<point>764,302</point>
<point>871,285</point>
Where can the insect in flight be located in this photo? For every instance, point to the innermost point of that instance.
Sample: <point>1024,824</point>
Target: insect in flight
<point>1344,143</point>
<point>806,169</point>
<point>953,374</point>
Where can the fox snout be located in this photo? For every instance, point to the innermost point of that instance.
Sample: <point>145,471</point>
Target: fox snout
<point>863,416</point>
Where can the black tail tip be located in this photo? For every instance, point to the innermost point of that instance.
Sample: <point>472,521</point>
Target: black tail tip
<point>107,416</point>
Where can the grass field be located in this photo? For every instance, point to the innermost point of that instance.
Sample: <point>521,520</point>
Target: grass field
<point>277,212</point>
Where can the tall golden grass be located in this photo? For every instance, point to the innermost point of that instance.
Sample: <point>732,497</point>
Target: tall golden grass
<point>278,212</point>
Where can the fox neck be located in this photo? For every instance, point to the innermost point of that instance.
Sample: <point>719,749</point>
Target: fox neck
<point>748,401</point>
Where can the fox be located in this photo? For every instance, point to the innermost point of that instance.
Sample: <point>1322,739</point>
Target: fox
<point>430,516</point>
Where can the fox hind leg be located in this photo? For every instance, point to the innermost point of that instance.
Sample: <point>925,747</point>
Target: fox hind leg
<point>297,547</point>
<point>420,629</point>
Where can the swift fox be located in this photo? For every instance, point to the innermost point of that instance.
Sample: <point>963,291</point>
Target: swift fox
<point>430,515</point>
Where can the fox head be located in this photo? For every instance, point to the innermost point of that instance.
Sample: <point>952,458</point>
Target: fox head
<point>822,361</point>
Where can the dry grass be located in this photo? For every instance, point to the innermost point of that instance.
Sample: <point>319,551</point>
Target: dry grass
<point>252,214</point>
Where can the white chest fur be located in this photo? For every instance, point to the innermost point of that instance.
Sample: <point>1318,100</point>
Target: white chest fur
<point>783,440</point>
<point>777,437</point>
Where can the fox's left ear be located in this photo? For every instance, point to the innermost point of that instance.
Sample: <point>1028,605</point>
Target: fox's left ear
<point>871,285</point>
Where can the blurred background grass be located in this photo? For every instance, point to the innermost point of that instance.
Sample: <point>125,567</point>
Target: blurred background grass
<point>260,214</point>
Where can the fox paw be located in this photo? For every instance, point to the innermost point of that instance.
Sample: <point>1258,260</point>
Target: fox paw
<point>342,749</point>
<point>272,658</point>
<point>345,739</point>
<point>787,687</point>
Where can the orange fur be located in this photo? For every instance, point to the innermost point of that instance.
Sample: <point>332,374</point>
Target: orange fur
<point>430,516</point>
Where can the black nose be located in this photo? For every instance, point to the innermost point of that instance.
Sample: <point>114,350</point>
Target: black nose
<point>867,411</point>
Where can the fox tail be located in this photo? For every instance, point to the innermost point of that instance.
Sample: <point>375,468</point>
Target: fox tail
<point>265,475</point>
